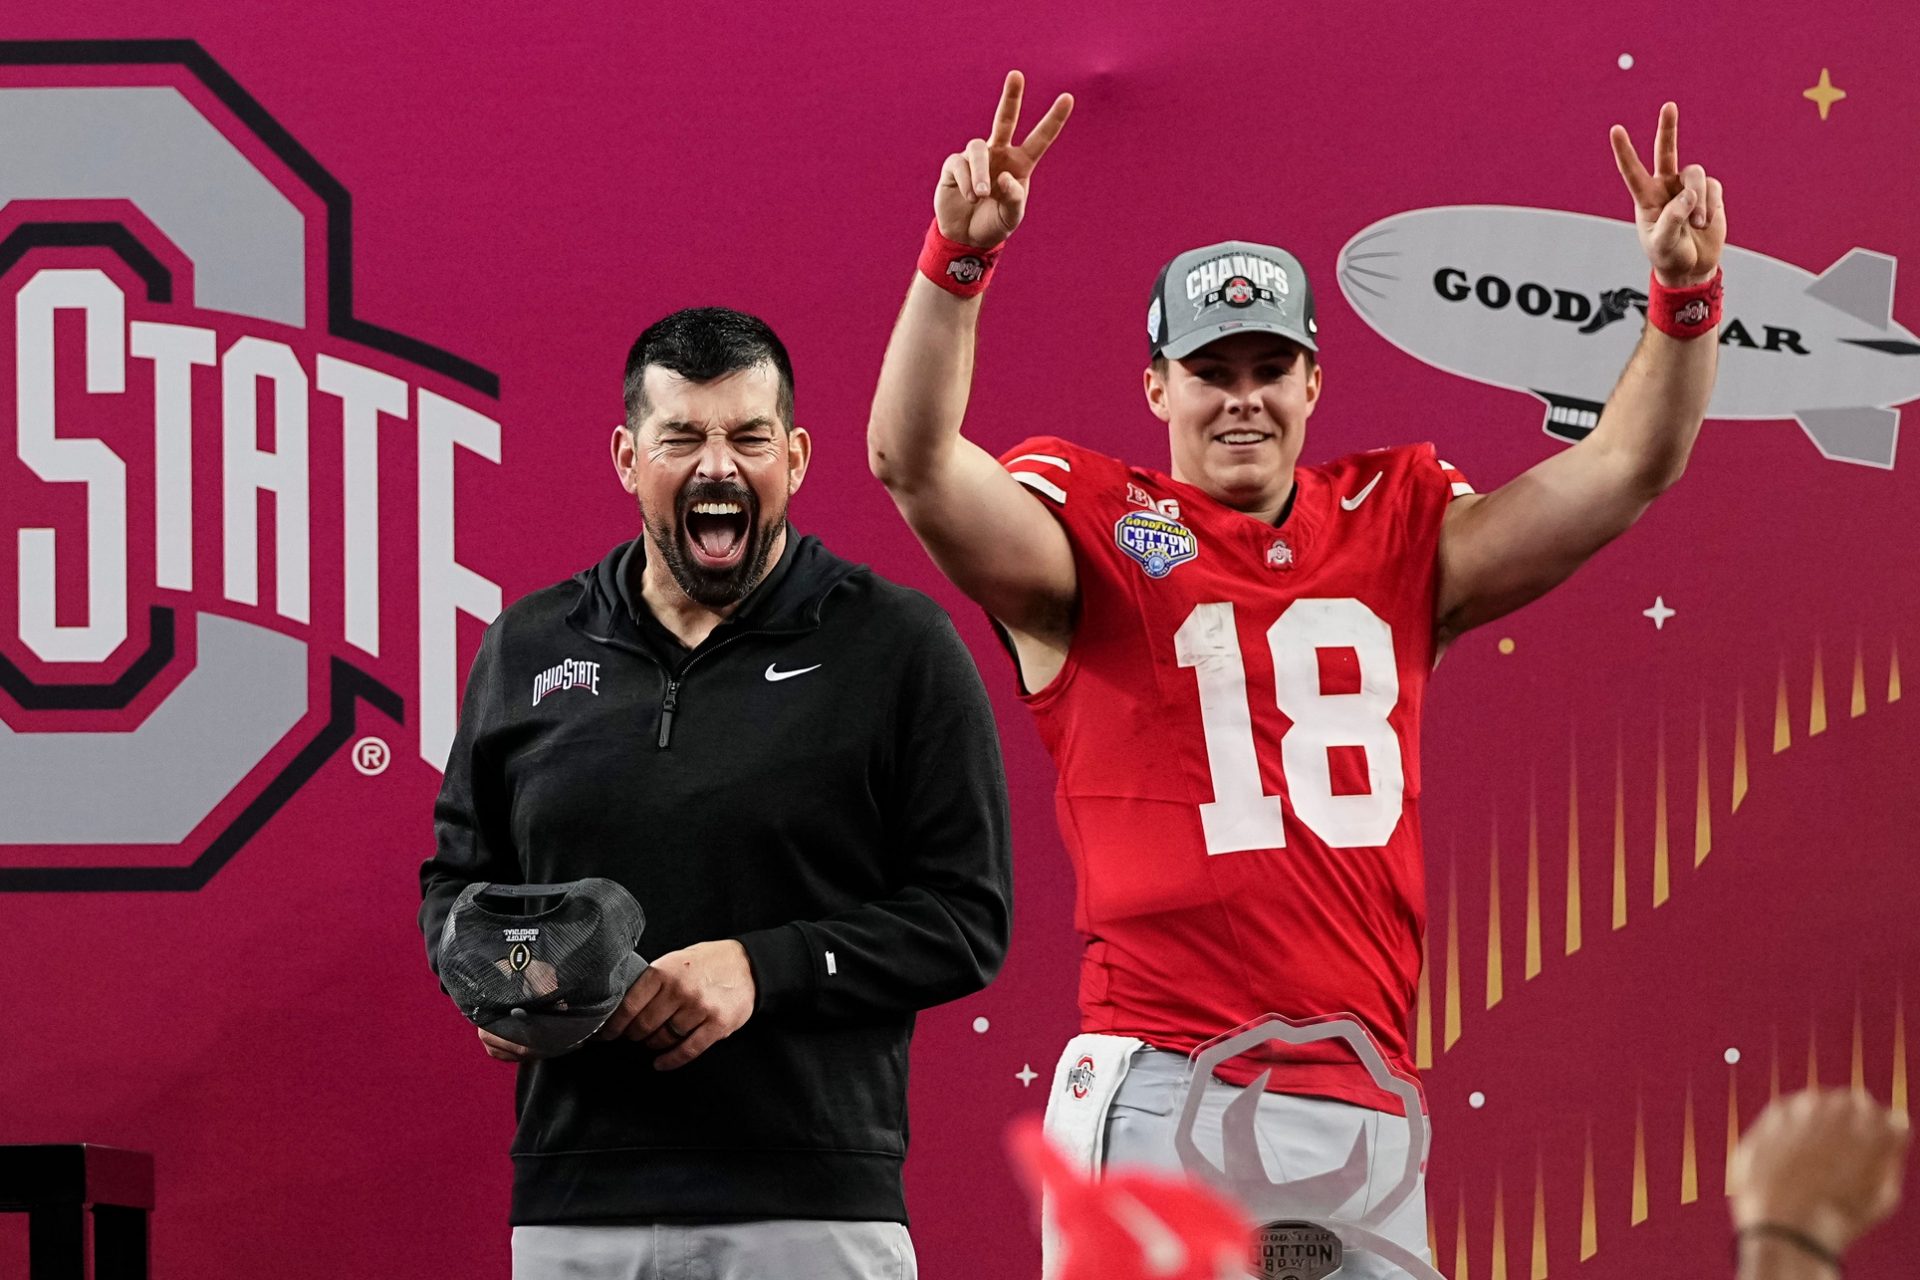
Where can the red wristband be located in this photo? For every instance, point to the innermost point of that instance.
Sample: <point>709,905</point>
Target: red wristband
<point>960,269</point>
<point>1685,313</point>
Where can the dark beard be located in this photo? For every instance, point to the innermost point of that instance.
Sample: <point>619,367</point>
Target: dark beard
<point>715,590</point>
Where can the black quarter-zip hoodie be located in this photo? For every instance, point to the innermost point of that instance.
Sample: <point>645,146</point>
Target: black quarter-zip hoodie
<point>820,779</point>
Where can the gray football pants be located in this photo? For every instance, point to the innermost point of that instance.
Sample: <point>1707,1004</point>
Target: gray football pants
<point>1297,1137</point>
<point>788,1248</point>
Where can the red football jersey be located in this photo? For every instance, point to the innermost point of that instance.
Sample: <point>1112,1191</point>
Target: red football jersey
<point>1237,733</point>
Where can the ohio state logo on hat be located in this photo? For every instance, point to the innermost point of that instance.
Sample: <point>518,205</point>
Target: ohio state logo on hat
<point>1238,292</point>
<point>203,661</point>
<point>1232,287</point>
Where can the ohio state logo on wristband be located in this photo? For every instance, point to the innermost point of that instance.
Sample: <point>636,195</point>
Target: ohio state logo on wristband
<point>961,269</point>
<point>1685,313</point>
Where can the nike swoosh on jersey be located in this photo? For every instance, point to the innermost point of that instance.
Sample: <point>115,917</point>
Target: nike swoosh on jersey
<point>1348,504</point>
<point>776,676</point>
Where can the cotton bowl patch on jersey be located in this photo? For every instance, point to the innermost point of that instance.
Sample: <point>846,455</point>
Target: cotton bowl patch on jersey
<point>1158,543</point>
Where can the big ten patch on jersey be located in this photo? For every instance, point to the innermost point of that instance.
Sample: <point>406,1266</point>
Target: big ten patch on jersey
<point>168,307</point>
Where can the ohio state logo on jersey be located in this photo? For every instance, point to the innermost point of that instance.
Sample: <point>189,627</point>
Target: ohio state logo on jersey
<point>180,657</point>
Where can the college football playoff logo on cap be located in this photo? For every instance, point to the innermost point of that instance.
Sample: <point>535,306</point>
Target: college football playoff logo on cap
<point>206,661</point>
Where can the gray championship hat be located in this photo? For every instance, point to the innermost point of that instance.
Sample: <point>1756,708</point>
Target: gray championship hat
<point>542,965</point>
<point>1227,288</point>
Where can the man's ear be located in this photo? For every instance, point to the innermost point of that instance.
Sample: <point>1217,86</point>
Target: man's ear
<point>626,458</point>
<point>1156,388</point>
<point>799,454</point>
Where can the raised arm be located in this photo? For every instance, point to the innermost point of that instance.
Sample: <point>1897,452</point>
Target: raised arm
<point>948,488</point>
<point>1499,551</point>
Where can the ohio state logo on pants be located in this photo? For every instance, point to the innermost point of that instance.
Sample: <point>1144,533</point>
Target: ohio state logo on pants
<point>231,500</point>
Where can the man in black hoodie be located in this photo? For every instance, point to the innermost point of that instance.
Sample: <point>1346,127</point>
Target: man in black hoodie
<point>792,765</point>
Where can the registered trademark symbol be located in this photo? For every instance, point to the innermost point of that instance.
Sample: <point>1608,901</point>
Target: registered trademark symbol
<point>371,756</point>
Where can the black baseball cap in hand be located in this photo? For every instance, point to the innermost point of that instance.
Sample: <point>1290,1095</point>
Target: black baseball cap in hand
<point>541,965</point>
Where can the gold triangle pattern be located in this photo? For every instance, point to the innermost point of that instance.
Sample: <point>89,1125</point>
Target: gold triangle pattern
<point>1639,1163</point>
<point>1662,866</point>
<point>1539,1270</point>
<point>1533,881</point>
<point>1589,1220</point>
<point>1898,1099</point>
<point>1619,835</point>
<point>1733,1127</point>
<point>1445,1020</point>
<point>1857,1078</point>
<point>1817,697</point>
<point>1857,702</point>
<point>1703,801</point>
<point>1451,1032</point>
<point>1497,1264</point>
<point>1645,1197</point>
<point>1496,969</point>
<point>1689,1161</point>
<point>1460,1270</point>
<point>1423,1010</point>
<point>1573,847</point>
<point>1782,730</point>
<point>1739,791</point>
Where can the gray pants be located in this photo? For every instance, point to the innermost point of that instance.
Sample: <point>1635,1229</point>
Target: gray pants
<point>1297,1137</point>
<point>787,1248</point>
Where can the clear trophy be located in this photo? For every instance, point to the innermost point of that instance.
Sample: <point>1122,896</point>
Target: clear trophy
<point>1325,1224</point>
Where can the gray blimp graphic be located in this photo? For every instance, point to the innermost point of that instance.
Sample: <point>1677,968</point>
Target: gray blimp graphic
<point>1551,303</point>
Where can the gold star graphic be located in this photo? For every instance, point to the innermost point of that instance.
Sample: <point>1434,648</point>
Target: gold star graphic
<point>1824,94</point>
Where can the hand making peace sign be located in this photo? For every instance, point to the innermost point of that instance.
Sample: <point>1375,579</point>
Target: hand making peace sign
<point>1682,220</point>
<point>983,190</point>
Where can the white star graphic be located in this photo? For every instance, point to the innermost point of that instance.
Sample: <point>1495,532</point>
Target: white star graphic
<point>1659,613</point>
<point>1026,1075</point>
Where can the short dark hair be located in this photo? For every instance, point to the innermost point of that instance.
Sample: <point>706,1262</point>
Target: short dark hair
<point>701,344</point>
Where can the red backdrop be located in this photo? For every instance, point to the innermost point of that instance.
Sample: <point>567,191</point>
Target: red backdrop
<point>1730,790</point>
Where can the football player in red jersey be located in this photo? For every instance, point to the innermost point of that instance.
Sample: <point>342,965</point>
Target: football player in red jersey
<point>1227,659</point>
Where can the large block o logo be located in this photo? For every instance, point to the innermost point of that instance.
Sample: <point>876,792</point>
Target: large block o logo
<point>229,501</point>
